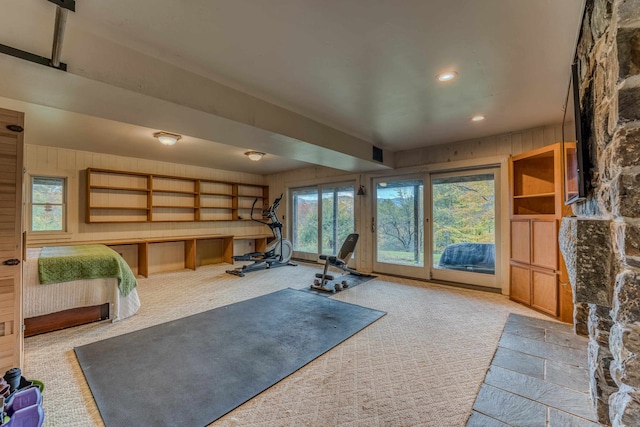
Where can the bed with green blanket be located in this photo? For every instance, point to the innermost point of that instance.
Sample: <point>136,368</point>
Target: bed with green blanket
<point>63,278</point>
<point>68,263</point>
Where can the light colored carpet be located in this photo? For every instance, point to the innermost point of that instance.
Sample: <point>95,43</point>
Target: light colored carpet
<point>421,364</point>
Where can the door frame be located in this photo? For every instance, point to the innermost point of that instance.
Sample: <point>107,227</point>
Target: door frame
<point>500,161</point>
<point>476,279</point>
<point>308,256</point>
<point>419,272</point>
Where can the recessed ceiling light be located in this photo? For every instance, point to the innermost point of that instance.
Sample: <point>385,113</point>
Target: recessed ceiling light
<point>446,76</point>
<point>478,118</point>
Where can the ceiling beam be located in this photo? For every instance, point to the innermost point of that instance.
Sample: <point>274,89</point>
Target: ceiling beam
<point>65,4</point>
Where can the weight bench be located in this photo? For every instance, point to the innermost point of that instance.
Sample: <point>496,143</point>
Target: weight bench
<point>339,261</point>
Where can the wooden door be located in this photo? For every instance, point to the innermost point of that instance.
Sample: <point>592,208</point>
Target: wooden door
<point>11,151</point>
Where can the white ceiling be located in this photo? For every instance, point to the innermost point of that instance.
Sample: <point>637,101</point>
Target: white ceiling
<point>364,67</point>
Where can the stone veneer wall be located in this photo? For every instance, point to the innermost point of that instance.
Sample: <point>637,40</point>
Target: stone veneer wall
<point>602,244</point>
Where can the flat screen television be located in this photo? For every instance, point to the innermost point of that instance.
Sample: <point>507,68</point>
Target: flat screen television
<point>575,155</point>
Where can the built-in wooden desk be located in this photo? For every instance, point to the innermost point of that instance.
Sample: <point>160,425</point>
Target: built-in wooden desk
<point>260,241</point>
<point>190,248</point>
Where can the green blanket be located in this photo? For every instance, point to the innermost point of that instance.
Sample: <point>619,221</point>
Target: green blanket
<point>66,263</point>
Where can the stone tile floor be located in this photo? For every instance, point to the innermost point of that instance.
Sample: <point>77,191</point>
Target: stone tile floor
<point>538,377</point>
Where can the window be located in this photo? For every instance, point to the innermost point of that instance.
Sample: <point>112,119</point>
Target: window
<point>337,217</point>
<point>400,225</point>
<point>323,216</point>
<point>305,220</point>
<point>48,209</point>
<point>464,222</point>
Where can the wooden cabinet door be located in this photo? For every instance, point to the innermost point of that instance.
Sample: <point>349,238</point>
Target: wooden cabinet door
<point>520,284</point>
<point>544,291</point>
<point>520,241</point>
<point>11,150</point>
<point>544,244</point>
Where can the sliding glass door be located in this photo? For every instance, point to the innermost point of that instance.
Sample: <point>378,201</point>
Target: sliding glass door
<point>323,216</point>
<point>305,203</point>
<point>399,226</point>
<point>462,209</point>
<point>464,228</point>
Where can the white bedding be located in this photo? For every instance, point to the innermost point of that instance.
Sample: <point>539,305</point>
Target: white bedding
<point>45,299</point>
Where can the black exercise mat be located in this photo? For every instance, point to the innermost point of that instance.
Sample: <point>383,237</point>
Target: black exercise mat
<point>352,280</point>
<point>192,371</point>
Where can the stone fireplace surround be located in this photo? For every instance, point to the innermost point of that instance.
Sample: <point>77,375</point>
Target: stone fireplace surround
<point>601,243</point>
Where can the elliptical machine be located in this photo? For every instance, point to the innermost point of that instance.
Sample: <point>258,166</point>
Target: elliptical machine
<point>278,253</point>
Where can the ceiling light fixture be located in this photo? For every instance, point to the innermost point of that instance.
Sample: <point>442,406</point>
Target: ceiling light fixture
<point>167,138</point>
<point>446,76</point>
<point>477,118</point>
<point>254,155</point>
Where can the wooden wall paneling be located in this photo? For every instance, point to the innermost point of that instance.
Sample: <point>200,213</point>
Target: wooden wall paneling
<point>130,254</point>
<point>66,160</point>
<point>510,143</point>
<point>166,256</point>
<point>487,147</point>
<point>550,135</point>
<point>504,145</point>
<point>538,138</point>
<point>42,156</point>
<point>527,142</point>
<point>210,252</point>
<point>516,143</point>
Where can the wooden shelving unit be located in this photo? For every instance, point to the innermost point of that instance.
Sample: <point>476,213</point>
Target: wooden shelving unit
<point>536,208</point>
<point>119,196</point>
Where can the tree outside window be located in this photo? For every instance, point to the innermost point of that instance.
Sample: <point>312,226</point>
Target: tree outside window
<point>335,205</point>
<point>47,203</point>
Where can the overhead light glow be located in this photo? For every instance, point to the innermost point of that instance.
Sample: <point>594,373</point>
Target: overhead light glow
<point>254,155</point>
<point>167,138</point>
<point>446,76</point>
<point>478,118</point>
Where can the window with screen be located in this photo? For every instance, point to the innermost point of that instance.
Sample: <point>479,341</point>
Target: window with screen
<point>48,204</point>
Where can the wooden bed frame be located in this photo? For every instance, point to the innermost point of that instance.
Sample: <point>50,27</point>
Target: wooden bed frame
<point>65,319</point>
